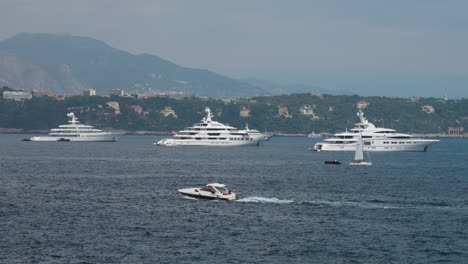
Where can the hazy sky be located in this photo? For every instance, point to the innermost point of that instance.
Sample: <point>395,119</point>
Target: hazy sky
<point>372,47</point>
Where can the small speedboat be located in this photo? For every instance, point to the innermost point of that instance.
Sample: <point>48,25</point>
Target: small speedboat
<point>332,162</point>
<point>212,191</point>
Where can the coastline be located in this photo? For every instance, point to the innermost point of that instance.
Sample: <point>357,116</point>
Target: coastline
<point>161,133</point>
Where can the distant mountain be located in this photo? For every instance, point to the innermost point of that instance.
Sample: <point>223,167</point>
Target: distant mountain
<point>280,88</point>
<point>65,64</point>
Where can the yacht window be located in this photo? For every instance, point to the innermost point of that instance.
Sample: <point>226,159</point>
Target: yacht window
<point>366,143</point>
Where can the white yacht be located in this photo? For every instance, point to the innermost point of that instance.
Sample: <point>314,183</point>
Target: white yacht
<point>374,138</point>
<point>75,131</point>
<point>212,133</point>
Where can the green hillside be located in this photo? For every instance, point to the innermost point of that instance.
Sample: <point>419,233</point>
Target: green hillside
<point>330,113</point>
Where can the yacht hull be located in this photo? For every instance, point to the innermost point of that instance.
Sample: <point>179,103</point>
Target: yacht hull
<point>204,195</point>
<point>213,143</point>
<point>415,145</point>
<point>110,138</point>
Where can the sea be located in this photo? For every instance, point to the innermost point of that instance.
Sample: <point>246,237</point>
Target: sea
<point>70,202</point>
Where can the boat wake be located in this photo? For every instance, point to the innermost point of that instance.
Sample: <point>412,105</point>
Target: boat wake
<point>373,204</point>
<point>265,200</point>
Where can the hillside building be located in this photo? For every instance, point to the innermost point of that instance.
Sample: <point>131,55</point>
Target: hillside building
<point>283,111</point>
<point>167,111</point>
<point>362,104</point>
<point>17,95</point>
<point>244,112</point>
<point>89,92</point>
<point>307,110</point>
<point>138,109</point>
<point>427,109</point>
<point>455,131</point>
<point>146,96</point>
<point>118,92</point>
<point>114,105</point>
<point>320,96</point>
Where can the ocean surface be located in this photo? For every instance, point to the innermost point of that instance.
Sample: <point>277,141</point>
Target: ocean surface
<point>69,202</point>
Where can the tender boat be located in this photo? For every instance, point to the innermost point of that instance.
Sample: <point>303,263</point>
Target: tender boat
<point>212,133</point>
<point>359,155</point>
<point>212,191</point>
<point>332,162</point>
<point>375,139</point>
<point>74,131</point>
<point>313,135</point>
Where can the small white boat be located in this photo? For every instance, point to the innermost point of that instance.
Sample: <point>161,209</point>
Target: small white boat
<point>313,135</point>
<point>212,191</point>
<point>359,154</point>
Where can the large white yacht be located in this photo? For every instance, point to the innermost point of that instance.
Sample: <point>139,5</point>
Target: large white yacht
<point>212,133</point>
<point>375,139</point>
<point>75,131</point>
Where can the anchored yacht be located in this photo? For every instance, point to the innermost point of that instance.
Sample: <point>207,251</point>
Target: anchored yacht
<point>374,138</point>
<point>212,133</point>
<point>74,131</point>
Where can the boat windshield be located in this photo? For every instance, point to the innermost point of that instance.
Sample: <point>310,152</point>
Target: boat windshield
<point>208,189</point>
<point>223,190</point>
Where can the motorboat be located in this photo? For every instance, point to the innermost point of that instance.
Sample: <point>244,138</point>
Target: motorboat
<point>359,154</point>
<point>74,131</point>
<point>212,191</point>
<point>374,138</point>
<point>313,135</point>
<point>332,162</point>
<point>213,133</point>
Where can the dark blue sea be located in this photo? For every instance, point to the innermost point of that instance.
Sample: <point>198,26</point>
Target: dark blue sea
<point>66,202</point>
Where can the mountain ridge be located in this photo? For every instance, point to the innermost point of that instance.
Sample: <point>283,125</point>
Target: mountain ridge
<point>70,64</point>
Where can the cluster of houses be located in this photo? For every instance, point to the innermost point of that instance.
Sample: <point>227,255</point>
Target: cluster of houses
<point>245,112</point>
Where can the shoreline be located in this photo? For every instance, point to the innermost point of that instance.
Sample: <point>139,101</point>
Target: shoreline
<point>159,133</point>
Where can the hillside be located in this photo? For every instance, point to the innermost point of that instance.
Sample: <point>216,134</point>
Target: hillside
<point>298,113</point>
<point>64,64</point>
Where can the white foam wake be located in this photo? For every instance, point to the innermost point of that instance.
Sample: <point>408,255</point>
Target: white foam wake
<point>264,200</point>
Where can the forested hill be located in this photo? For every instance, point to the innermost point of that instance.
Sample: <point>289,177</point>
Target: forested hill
<point>297,113</point>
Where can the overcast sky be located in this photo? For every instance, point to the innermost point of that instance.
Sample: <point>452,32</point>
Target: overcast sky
<point>372,47</point>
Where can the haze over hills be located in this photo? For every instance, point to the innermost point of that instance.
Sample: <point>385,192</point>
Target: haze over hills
<point>282,88</point>
<point>65,64</point>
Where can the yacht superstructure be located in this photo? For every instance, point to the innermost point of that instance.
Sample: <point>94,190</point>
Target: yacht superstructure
<point>374,138</point>
<point>213,133</point>
<point>74,131</point>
